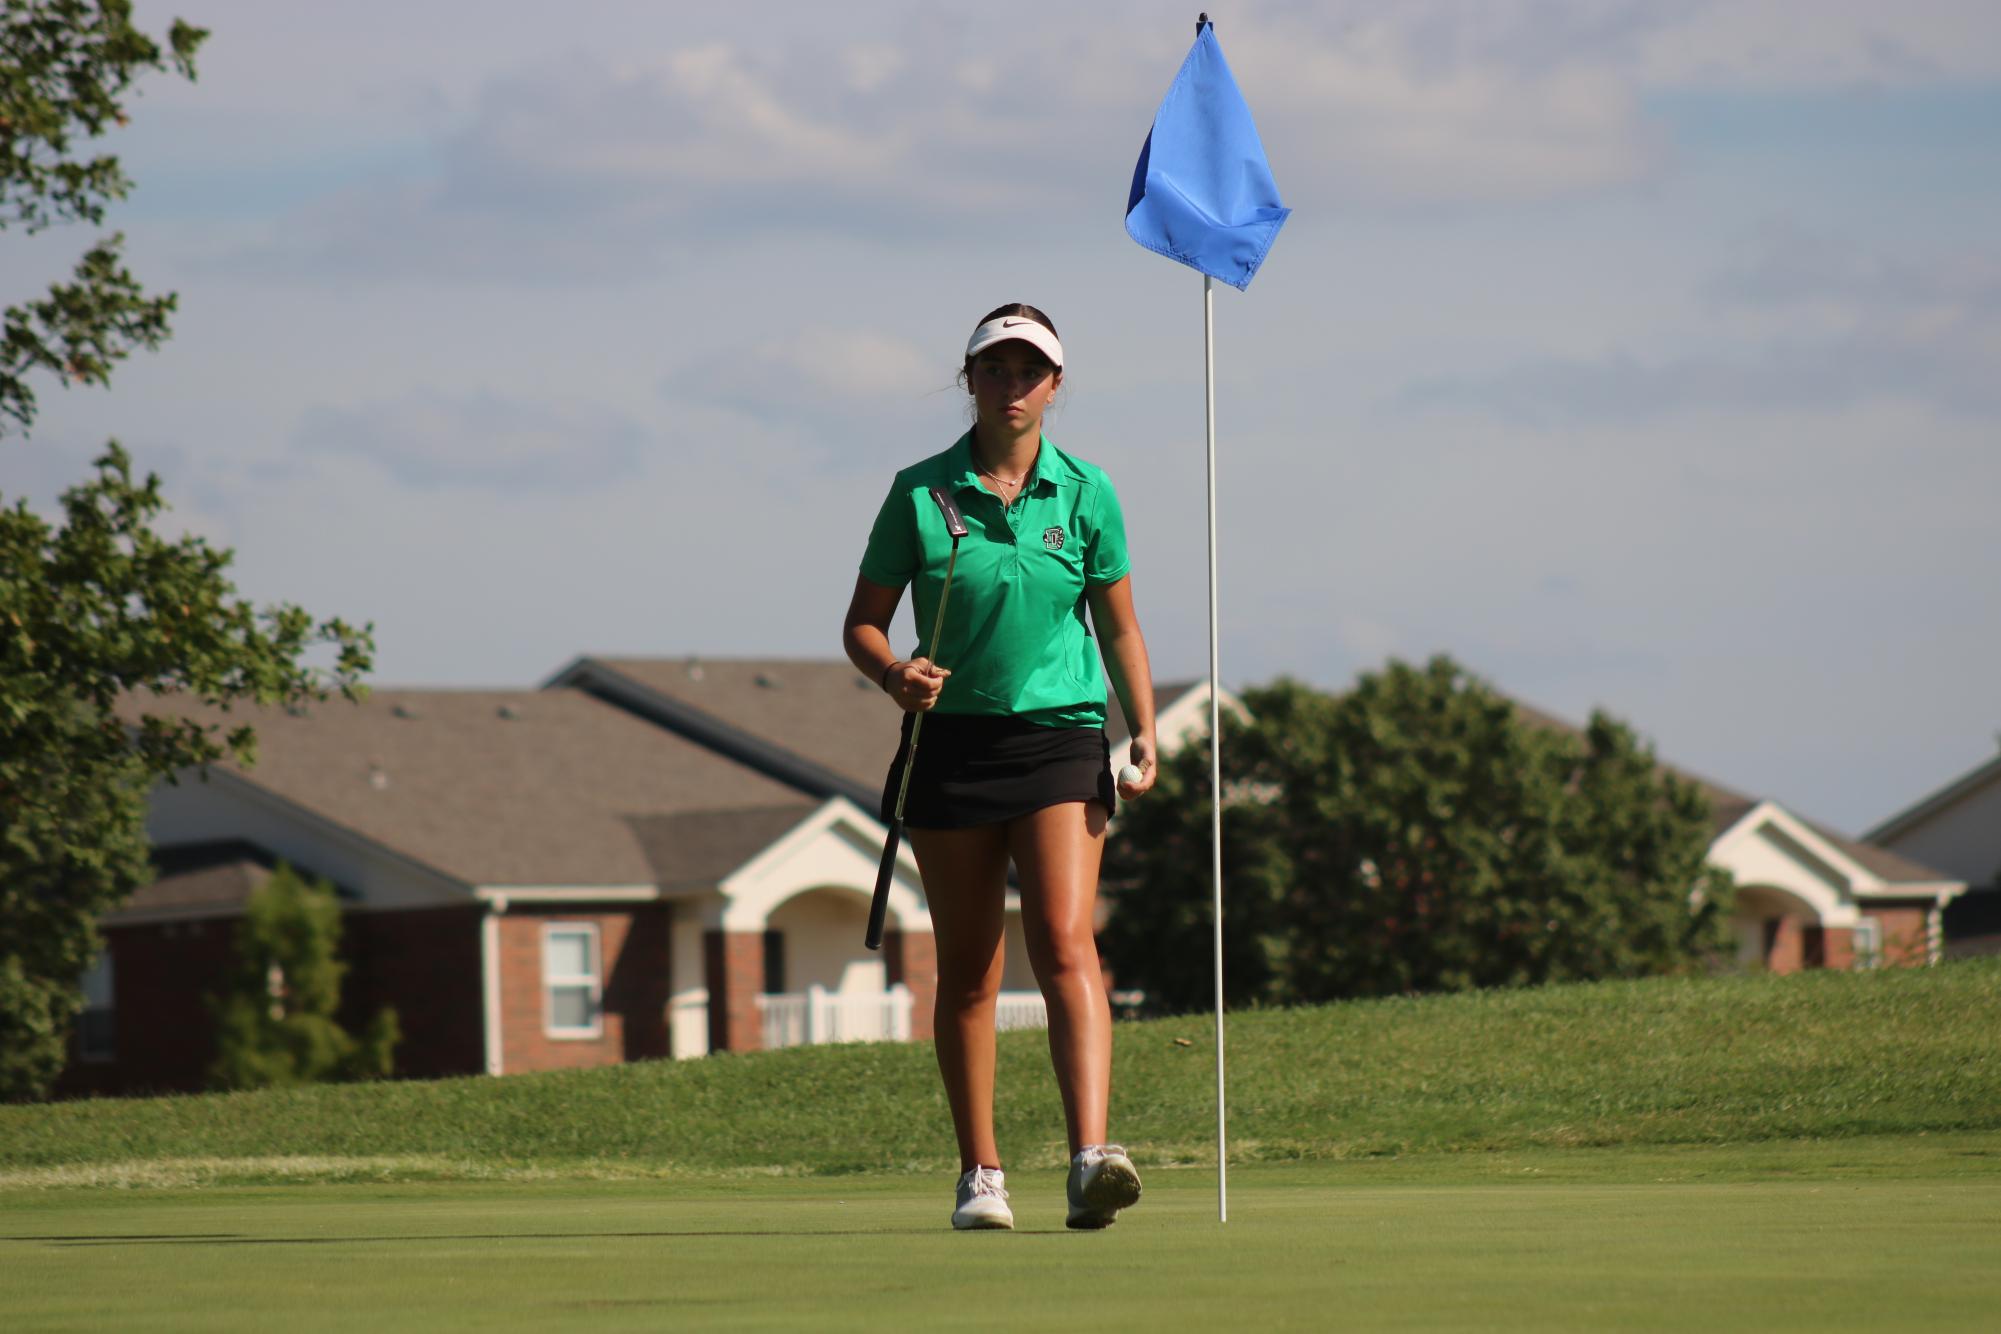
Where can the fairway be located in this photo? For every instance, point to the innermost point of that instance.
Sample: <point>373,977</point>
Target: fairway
<point>1860,1234</point>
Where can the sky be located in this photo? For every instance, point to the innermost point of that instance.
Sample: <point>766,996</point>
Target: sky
<point>1641,356</point>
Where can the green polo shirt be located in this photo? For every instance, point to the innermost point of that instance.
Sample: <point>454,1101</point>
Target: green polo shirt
<point>1016,638</point>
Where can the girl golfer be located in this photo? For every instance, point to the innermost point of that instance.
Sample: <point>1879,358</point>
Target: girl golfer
<point>1012,764</point>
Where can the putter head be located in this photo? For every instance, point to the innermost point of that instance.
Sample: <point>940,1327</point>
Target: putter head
<point>955,522</point>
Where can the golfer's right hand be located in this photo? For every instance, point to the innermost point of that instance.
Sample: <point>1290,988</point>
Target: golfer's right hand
<point>915,684</point>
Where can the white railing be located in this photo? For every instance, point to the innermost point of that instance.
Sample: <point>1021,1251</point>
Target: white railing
<point>797,1019</point>
<point>1020,1009</point>
<point>815,1015</point>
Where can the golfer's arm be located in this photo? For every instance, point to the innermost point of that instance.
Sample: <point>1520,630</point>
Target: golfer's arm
<point>1124,648</point>
<point>865,634</point>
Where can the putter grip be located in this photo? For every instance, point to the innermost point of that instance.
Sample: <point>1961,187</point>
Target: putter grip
<point>879,906</point>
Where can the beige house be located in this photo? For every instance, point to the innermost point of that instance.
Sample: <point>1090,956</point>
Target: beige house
<point>1810,898</point>
<point>1958,828</point>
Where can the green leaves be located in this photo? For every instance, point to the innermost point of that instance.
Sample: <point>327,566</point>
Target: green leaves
<point>65,69</point>
<point>275,1023</point>
<point>101,613</point>
<point>78,331</point>
<point>1416,834</point>
<point>96,618</point>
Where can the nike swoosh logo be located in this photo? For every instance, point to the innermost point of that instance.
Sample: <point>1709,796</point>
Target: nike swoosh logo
<point>1009,324</point>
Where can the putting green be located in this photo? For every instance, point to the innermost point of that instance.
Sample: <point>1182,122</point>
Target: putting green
<point>1871,1234</point>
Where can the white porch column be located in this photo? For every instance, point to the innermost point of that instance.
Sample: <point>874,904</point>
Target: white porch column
<point>489,981</point>
<point>688,1004</point>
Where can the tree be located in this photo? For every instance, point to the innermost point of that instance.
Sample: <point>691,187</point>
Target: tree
<point>101,611</point>
<point>1417,834</point>
<point>1158,876</point>
<point>275,1023</point>
<point>65,68</point>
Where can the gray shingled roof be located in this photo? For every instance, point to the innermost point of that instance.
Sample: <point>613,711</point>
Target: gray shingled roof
<point>198,880</point>
<point>819,710</point>
<point>772,712</point>
<point>548,787</point>
<point>1894,869</point>
<point>1932,803</point>
<point>209,879</point>
<point>699,848</point>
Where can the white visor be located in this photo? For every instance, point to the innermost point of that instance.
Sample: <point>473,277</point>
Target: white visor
<point>1016,329</point>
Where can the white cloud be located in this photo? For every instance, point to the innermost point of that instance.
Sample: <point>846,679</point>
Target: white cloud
<point>600,164</point>
<point>691,118</point>
<point>815,376</point>
<point>1430,104</point>
<point>1841,325</point>
<point>1795,268</point>
<point>431,440</point>
<point>1779,44</point>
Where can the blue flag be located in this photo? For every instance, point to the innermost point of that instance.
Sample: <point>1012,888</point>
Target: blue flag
<point>1202,192</point>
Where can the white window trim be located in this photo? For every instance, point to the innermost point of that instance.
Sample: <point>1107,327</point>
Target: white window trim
<point>595,980</point>
<point>85,1052</point>
<point>1870,955</point>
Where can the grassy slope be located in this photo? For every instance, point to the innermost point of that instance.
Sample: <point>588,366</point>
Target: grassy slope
<point>1649,1063</point>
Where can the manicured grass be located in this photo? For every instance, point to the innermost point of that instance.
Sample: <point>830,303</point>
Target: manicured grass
<point>1664,1062</point>
<point>1868,1233</point>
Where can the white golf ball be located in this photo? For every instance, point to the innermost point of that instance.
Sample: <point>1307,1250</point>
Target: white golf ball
<point>1130,775</point>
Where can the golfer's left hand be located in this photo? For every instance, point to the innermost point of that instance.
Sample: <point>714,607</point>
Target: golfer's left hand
<point>1142,757</point>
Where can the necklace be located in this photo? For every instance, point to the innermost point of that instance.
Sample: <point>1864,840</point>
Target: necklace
<point>1004,481</point>
<point>1014,484</point>
<point>1011,494</point>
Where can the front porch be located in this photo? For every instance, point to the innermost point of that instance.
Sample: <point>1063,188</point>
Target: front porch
<point>1807,898</point>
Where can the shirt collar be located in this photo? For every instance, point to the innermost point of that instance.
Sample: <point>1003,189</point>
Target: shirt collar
<point>1052,466</point>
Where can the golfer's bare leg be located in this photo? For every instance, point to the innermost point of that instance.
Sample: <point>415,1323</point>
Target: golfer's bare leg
<point>1057,851</point>
<point>965,882</point>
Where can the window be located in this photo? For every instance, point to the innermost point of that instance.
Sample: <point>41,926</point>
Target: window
<point>570,977</point>
<point>1868,943</point>
<point>774,963</point>
<point>95,1031</point>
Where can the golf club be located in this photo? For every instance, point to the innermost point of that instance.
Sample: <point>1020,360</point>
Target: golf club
<point>955,524</point>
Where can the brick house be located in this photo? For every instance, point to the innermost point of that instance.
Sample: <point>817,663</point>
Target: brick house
<point>1958,827</point>
<point>1808,897</point>
<point>533,879</point>
<point>654,857</point>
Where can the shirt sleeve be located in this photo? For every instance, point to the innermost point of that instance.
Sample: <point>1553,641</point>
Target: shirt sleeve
<point>892,557</point>
<point>1105,560</point>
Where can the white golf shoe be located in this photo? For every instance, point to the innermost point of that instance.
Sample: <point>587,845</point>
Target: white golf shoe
<point>1102,1182</point>
<point>982,1201</point>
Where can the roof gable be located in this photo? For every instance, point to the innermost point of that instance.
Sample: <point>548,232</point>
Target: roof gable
<point>1853,870</point>
<point>1968,784</point>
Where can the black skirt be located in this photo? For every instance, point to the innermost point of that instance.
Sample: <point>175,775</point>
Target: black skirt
<point>975,769</point>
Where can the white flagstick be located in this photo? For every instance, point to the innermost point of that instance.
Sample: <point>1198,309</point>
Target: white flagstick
<point>1215,737</point>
